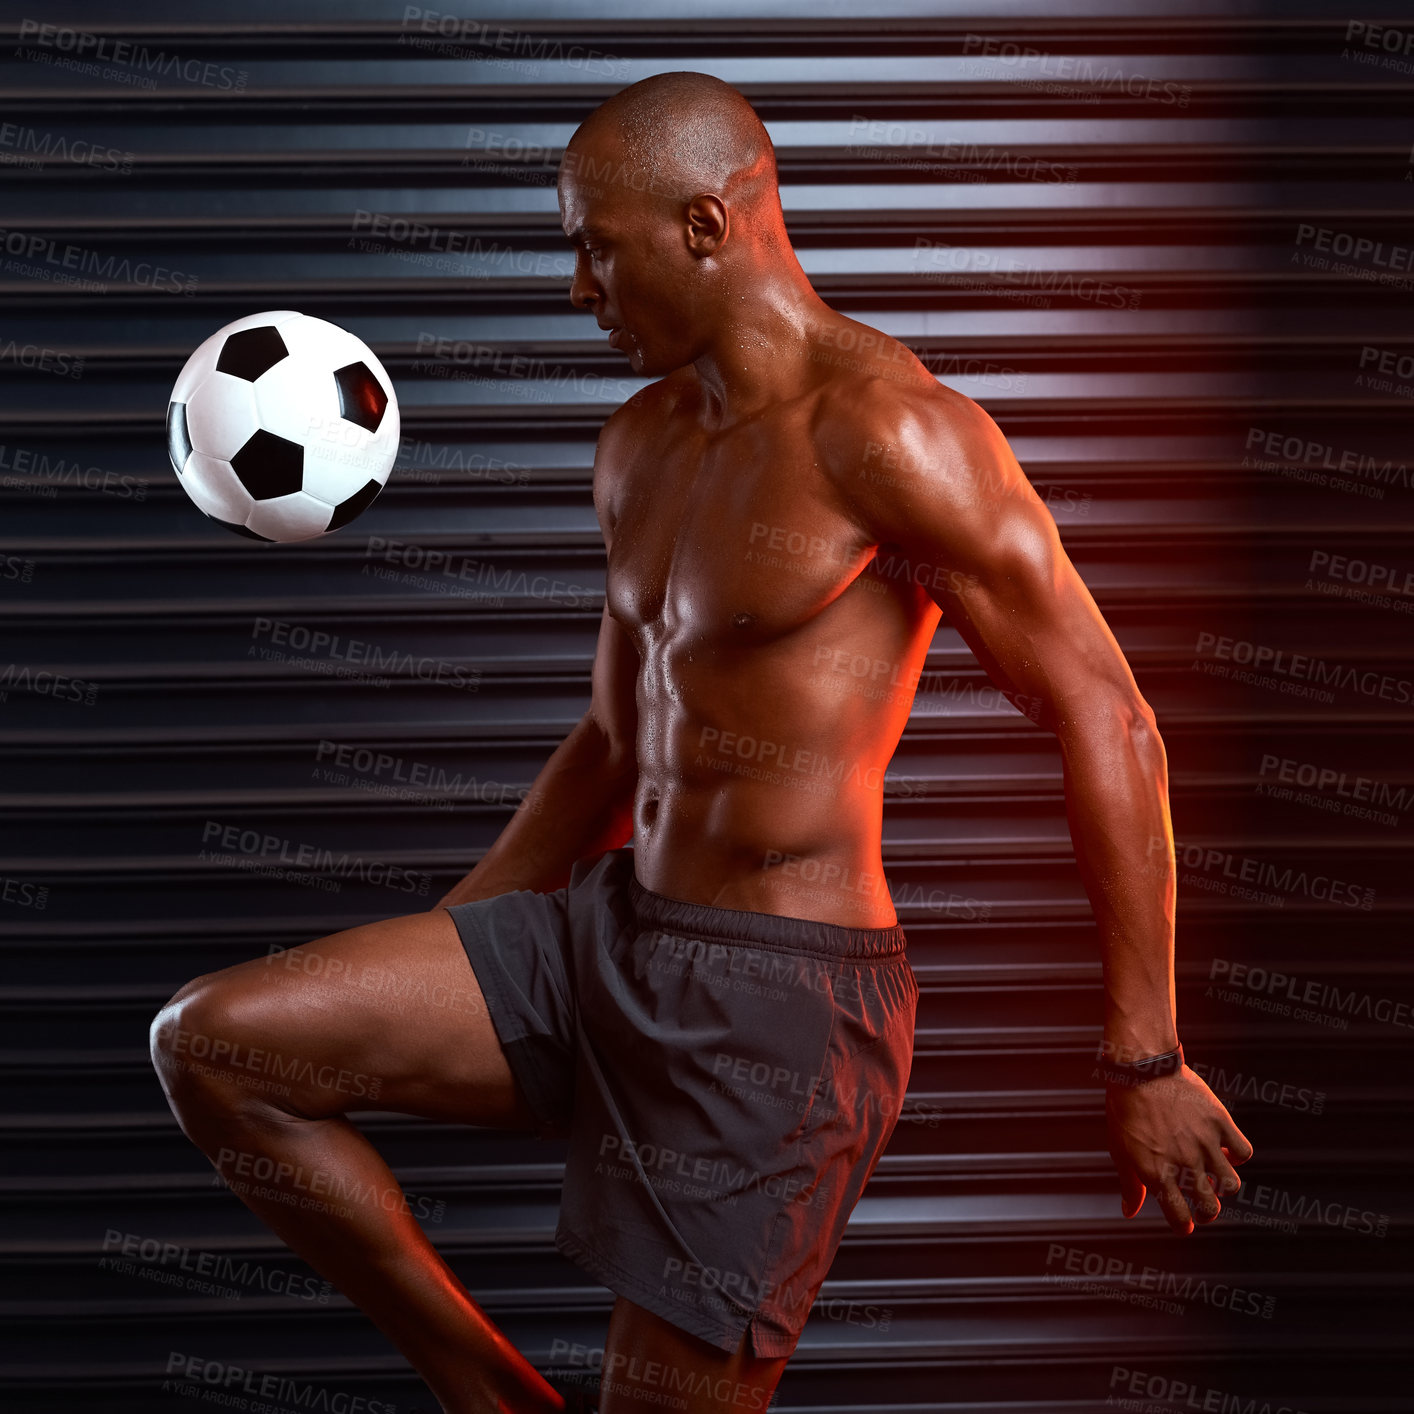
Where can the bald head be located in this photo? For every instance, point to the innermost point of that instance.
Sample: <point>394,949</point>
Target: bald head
<point>675,135</point>
<point>668,193</point>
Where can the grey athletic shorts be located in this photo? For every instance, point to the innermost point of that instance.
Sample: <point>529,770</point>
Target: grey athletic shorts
<point>726,1081</point>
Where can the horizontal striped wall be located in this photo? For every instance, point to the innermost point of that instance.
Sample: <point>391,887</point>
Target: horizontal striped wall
<point>1159,248</point>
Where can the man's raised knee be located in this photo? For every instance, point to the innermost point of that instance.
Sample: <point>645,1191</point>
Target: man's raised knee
<point>196,1046</point>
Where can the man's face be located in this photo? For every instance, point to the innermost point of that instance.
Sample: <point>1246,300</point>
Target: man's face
<point>632,270</point>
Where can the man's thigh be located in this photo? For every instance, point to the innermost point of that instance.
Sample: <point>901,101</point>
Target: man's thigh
<point>650,1364</point>
<point>383,1016</point>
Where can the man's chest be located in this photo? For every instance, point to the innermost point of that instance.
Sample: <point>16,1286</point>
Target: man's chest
<point>737,535</point>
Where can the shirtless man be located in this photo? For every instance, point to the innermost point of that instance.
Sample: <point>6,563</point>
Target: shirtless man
<point>793,494</point>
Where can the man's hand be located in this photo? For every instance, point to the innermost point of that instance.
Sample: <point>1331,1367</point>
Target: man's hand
<point>1173,1134</point>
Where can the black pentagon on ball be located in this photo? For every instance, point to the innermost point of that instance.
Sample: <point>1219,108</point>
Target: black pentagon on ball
<point>178,442</point>
<point>269,466</point>
<point>249,352</point>
<point>354,506</point>
<point>361,396</point>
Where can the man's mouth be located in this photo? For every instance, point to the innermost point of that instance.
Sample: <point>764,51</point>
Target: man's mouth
<point>615,334</point>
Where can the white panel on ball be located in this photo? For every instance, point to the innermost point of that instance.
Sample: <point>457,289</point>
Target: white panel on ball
<point>295,405</point>
<point>216,489</point>
<point>294,517</point>
<point>221,416</point>
<point>318,339</point>
<point>198,368</point>
<point>333,471</point>
<point>276,317</point>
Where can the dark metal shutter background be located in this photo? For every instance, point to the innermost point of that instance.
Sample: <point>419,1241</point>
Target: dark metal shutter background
<point>1139,423</point>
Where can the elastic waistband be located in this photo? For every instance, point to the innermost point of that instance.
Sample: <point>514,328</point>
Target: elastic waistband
<point>764,930</point>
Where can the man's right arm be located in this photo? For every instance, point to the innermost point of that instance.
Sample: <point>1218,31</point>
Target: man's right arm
<point>581,803</point>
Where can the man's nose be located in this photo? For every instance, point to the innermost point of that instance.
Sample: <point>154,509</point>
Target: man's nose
<point>583,291</point>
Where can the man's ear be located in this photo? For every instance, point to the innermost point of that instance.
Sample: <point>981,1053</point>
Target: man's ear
<point>708,224</point>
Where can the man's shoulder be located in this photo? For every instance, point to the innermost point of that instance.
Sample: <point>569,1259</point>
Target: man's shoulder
<point>652,403</point>
<point>878,431</point>
<point>630,427</point>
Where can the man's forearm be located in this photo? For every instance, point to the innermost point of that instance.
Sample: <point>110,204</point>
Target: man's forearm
<point>1116,789</point>
<point>580,804</point>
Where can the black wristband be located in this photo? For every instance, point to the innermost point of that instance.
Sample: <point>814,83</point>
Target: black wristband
<point>1131,1073</point>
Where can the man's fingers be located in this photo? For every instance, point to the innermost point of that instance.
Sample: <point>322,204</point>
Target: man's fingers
<point>1229,1180</point>
<point>1175,1209</point>
<point>1190,1179</point>
<point>1235,1144</point>
<point>1204,1203</point>
<point>1131,1192</point>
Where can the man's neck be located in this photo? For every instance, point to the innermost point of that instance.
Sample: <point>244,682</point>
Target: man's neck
<point>761,348</point>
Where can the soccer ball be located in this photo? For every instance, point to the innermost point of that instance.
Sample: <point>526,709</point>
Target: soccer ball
<point>283,426</point>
